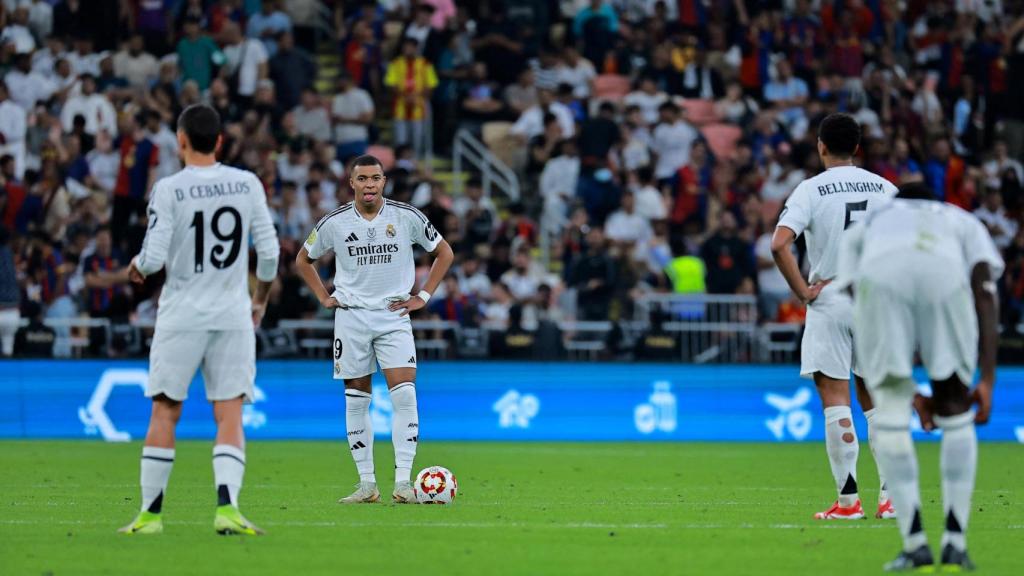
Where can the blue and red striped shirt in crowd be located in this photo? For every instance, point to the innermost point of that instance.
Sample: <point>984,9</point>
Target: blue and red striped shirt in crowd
<point>101,298</point>
<point>137,159</point>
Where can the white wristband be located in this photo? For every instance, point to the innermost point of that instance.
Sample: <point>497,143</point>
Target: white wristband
<point>424,295</point>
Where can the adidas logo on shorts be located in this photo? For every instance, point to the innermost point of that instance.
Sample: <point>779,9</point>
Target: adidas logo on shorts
<point>352,238</point>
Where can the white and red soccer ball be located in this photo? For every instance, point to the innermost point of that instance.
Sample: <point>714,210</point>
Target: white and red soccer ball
<point>435,485</point>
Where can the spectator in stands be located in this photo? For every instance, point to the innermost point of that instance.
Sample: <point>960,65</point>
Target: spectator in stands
<point>412,78</point>
<point>992,213</point>
<point>311,118</point>
<point>498,42</point>
<point>995,169</point>
<point>104,163</point>
<point>13,130</point>
<point>472,280</point>
<point>429,40</point>
<point>578,72</point>
<point>531,123</point>
<point>692,183</point>
<point>481,102</point>
<point>477,213</point>
<point>648,98</point>
<point>96,109</point>
<point>197,55</point>
<point>454,306</point>
<point>362,58</point>
<point>353,111</point>
<point>650,202</point>
<point>26,85</point>
<point>522,95</point>
<point>268,25</point>
<point>727,258</point>
<point>139,158</point>
<point>772,287</point>
<point>246,63</point>
<point>672,140</point>
<point>701,81</point>
<point>788,94</point>
<point>593,276</point>
<point>105,274</point>
<point>136,65</point>
<point>36,340</point>
<point>293,70</point>
<point>627,227</point>
<point>558,183</point>
<point>166,143</point>
<point>10,292</point>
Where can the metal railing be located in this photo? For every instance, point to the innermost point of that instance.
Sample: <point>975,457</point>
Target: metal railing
<point>493,172</point>
<point>710,328</point>
<point>691,328</point>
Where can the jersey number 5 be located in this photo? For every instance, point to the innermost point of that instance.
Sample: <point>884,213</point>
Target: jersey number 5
<point>852,207</point>
<point>234,236</point>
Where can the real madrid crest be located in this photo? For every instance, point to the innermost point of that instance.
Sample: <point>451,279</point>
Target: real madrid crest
<point>390,231</point>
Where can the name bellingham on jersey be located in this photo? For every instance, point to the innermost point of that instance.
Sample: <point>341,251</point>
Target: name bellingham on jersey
<point>374,258</point>
<point>822,207</point>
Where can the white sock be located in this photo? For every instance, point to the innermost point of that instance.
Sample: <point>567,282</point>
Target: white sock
<point>896,457</point>
<point>155,471</point>
<point>842,447</point>
<point>228,471</point>
<point>405,429</point>
<point>360,432</point>
<point>959,463</point>
<point>883,492</point>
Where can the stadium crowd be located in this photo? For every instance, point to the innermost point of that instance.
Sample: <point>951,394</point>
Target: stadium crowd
<point>655,140</point>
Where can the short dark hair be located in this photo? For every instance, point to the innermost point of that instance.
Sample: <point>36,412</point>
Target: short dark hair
<point>916,191</point>
<point>201,125</point>
<point>366,160</point>
<point>840,133</point>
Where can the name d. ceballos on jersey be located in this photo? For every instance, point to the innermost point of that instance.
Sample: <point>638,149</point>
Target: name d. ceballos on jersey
<point>201,191</point>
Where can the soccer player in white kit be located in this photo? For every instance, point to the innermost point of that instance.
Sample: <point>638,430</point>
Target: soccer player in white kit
<point>372,240</point>
<point>924,278</point>
<point>821,208</point>
<point>200,223</point>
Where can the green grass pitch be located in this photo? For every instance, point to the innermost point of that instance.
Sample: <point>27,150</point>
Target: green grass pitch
<point>534,508</point>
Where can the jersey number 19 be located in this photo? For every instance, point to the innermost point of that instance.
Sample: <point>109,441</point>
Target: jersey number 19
<point>234,236</point>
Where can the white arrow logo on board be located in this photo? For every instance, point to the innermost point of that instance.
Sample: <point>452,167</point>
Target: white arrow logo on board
<point>94,415</point>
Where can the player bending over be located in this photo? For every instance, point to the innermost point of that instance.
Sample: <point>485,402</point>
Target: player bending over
<point>200,222</point>
<point>372,239</point>
<point>821,208</point>
<point>924,276</point>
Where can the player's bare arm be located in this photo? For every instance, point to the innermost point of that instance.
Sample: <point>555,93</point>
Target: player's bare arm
<point>782,252</point>
<point>306,267</point>
<point>443,258</point>
<point>987,307</point>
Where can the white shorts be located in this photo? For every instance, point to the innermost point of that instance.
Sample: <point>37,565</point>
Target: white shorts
<point>363,338</point>
<point>924,313</point>
<point>827,344</point>
<point>227,358</point>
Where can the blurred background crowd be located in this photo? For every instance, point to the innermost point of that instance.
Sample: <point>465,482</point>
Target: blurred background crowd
<point>654,141</point>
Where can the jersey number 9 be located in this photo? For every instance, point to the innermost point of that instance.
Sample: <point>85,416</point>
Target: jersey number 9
<point>233,235</point>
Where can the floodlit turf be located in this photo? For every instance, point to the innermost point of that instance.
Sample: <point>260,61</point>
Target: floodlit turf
<point>647,509</point>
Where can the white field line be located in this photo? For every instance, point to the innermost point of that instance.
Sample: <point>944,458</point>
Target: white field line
<point>505,525</point>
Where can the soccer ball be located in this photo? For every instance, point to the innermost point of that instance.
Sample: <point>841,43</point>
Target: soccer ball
<point>435,485</point>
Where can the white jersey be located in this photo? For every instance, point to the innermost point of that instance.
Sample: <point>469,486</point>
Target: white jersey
<point>822,207</point>
<point>200,223</point>
<point>888,241</point>
<point>374,263</point>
